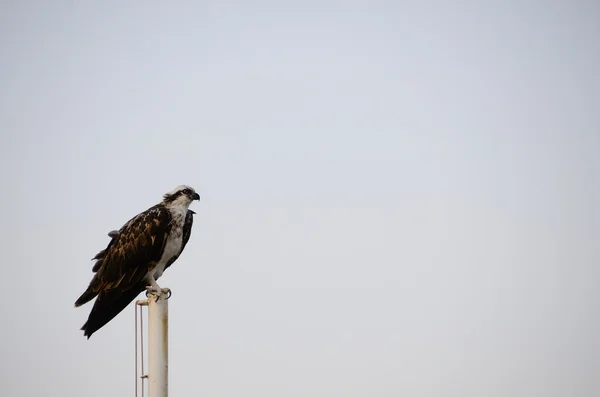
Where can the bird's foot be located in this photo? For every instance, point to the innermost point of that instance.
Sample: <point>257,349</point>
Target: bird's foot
<point>154,290</point>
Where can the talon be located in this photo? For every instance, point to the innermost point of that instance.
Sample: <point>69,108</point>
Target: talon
<point>151,290</point>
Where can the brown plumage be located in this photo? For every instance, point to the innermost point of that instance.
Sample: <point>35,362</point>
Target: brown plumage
<point>127,251</point>
<point>122,268</point>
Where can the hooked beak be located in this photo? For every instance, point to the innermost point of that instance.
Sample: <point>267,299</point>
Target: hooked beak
<point>196,196</point>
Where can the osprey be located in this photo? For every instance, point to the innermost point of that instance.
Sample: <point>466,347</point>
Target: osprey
<point>137,255</point>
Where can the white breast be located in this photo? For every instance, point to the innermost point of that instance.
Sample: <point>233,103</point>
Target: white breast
<point>174,239</point>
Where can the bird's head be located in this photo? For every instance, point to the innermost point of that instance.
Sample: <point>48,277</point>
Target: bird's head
<point>181,195</point>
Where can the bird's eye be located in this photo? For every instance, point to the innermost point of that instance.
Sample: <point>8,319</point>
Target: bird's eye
<point>186,191</point>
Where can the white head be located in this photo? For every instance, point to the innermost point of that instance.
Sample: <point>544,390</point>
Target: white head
<point>180,196</point>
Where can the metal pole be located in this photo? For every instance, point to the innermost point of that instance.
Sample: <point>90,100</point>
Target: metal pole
<point>158,344</point>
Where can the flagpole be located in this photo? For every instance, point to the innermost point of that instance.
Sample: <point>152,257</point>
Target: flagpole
<point>158,344</point>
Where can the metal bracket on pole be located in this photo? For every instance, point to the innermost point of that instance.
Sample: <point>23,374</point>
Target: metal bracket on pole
<point>158,344</point>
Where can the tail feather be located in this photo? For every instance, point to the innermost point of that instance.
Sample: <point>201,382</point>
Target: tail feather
<point>87,296</point>
<point>107,306</point>
<point>90,293</point>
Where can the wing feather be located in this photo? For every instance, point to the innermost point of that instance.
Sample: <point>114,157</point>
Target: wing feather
<point>131,253</point>
<point>131,257</point>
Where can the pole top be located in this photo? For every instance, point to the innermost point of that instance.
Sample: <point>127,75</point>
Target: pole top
<point>164,293</point>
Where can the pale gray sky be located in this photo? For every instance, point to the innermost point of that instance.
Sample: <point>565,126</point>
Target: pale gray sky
<point>398,199</point>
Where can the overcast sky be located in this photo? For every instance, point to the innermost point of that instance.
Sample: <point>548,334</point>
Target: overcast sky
<point>398,199</point>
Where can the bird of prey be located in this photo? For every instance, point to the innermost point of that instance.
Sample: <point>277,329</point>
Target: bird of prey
<point>137,255</point>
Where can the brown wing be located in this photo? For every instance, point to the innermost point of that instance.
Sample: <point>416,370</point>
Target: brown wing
<point>131,253</point>
<point>99,258</point>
